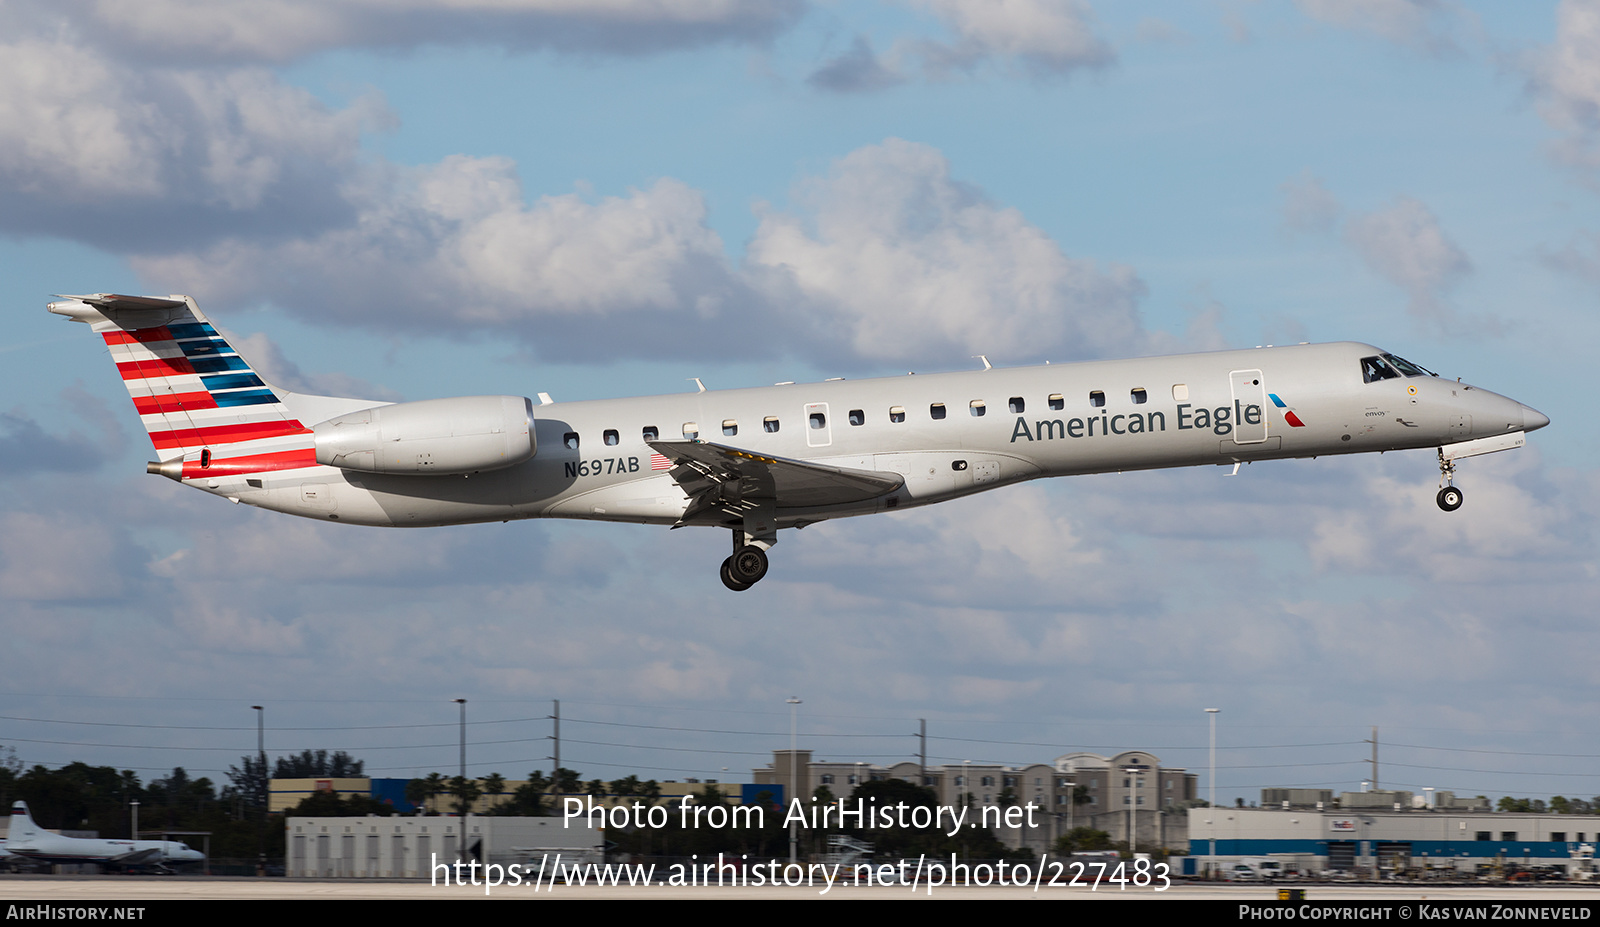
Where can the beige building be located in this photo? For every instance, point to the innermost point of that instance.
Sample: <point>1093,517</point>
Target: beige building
<point>1128,791</point>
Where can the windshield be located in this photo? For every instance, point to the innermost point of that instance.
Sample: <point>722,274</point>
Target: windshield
<point>1408,368</point>
<point>1390,367</point>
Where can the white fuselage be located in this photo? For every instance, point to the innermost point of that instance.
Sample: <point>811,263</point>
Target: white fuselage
<point>997,426</point>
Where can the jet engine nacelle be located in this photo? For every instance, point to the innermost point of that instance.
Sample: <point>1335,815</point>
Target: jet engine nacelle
<point>432,436</point>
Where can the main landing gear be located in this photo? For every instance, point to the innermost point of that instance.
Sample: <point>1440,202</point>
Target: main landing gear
<point>1449,498</point>
<point>747,565</point>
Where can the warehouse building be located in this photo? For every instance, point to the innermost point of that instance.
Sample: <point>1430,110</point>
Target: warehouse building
<point>409,847</point>
<point>1322,840</point>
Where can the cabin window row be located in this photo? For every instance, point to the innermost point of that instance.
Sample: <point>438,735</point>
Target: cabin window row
<point>977,408</point>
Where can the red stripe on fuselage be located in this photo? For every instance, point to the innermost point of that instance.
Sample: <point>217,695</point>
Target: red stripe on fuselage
<point>173,402</point>
<point>142,335</point>
<point>257,463</point>
<point>1293,420</point>
<point>227,434</point>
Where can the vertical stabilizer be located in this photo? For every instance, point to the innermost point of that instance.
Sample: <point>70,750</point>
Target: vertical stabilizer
<point>207,411</point>
<point>23,831</point>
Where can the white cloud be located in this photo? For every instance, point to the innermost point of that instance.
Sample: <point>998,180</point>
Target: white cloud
<point>901,262</point>
<point>905,262</point>
<point>1405,245</point>
<point>268,360</point>
<point>454,244</point>
<point>1521,529</point>
<point>44,559</point>
<point>1308,206</point>
<point>277,31</point>
<point>857,70</point>
<point>1567,78</point>
<point>1042,36</point>
<point>140,158</point>
<point>1580,257</point>
<point>1423,23</point>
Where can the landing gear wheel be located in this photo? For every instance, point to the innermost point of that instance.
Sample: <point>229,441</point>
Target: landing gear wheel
<point>1450,498</point>
<point>727,577</point>
<point>748,564</point>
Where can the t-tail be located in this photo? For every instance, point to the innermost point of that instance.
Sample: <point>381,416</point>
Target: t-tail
<point>207,410</point>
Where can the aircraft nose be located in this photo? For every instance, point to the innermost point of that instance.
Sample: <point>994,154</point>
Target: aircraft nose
<point>1532,420</point>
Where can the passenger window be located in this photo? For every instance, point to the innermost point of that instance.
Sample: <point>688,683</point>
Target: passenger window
<point>651,433</point>
<point>770,424</point>
<point>730,427</point>
<point>570,439</point>
<point>1097,398</point>
<point>1139,396</point>
<point>1180,392</point>
<point>858,417</point>
<point>691,430</point>
<point>1058,401</point>
<point>976,407</point>
<point>1016,405</point>
<point>937,411</point>
<point>897,413</point>
<point>819,421</point>
<point>612,439</point>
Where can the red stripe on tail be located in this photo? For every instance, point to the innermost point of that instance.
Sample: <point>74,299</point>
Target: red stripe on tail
<point>227,434</point>
<point>257,463</point>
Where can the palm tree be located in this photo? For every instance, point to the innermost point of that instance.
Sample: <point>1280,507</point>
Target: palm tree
<point>494,785</point>
<point>466,792</point>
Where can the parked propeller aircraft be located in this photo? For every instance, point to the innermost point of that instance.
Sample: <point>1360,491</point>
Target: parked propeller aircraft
<point>27,840</point>
<point>757,460</point>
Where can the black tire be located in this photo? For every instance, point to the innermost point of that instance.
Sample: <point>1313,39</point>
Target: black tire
<point>748,564</point>
<point>727,577</point>
<point>1450,498</point>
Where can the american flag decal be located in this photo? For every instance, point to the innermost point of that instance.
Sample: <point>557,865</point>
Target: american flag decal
<point>659,462</point>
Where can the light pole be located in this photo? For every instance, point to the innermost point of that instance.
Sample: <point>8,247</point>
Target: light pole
<point>462,777</point>
<point>1133,792</point>
<point>464,803</point>
<point>134,807</point>
<point>1212,801</point>
<point>266,788</point>
<point>794,775</point>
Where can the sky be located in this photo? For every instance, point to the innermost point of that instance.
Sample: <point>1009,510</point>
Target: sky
<point>433,198</point>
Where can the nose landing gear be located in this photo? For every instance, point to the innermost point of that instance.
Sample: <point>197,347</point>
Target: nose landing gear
<point>1449,498</point>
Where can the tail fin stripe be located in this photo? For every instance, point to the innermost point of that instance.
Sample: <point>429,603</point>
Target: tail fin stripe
<point>191,329</point>
<point>154,368</point>
<point>231,381</point>
<point>229,363</point>
<point>249,397</point>
<point>165,403</point>
<point>196,346</point>
<point>226,434</point>
<point>137,336</point>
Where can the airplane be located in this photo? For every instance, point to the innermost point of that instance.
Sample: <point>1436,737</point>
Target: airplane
<point>755,461</point>
<point>27,840</point>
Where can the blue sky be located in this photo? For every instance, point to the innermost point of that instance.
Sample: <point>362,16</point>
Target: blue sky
<point>602,200</point>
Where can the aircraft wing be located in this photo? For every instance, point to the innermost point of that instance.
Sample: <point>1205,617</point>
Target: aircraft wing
<point>136,857</point>
<point>725,479</point>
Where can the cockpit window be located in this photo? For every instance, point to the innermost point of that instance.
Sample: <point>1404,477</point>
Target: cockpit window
<point>1389,367</point>
<point>1374,369</point>
<point>1408,368</point>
